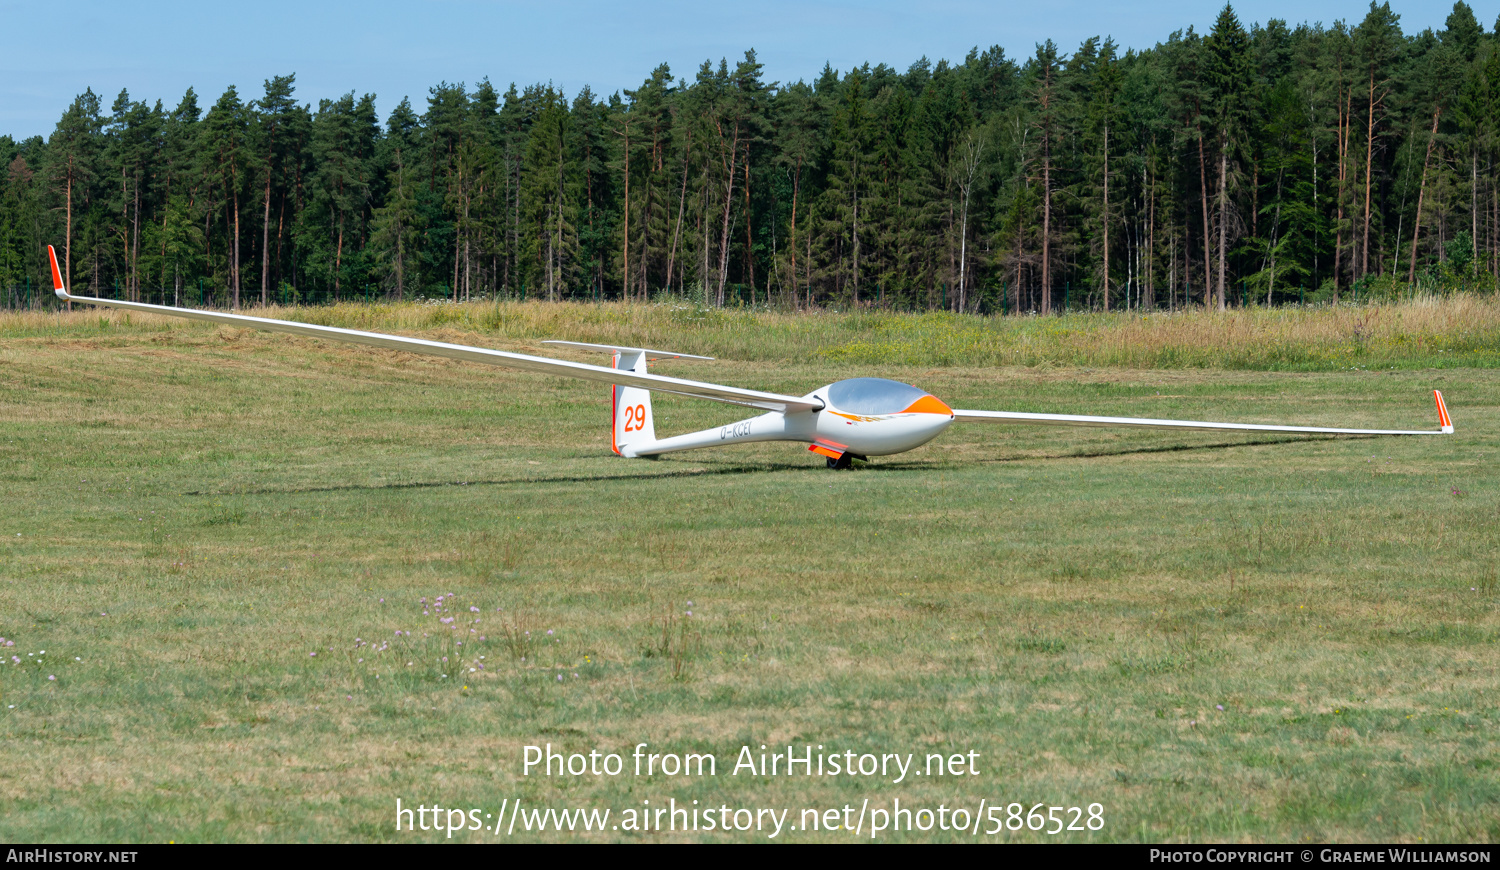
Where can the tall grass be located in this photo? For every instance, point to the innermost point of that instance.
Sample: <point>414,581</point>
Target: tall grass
<point>1424,332</point>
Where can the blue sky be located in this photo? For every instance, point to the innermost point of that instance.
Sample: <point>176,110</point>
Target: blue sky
<point>51,52</point>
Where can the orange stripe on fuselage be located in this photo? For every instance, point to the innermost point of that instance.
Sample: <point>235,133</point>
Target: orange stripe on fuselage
<point>929,405</point>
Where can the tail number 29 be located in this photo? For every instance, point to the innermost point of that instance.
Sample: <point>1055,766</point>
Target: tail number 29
<point>635,418</point>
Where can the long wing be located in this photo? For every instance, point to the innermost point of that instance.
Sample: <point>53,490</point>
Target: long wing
<point>1444,422</point>
<point>520,361</point>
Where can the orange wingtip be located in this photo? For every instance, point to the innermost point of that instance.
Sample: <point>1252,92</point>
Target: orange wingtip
<point>824,451</point>
<point>1443,419</point>
<point>56,273</point>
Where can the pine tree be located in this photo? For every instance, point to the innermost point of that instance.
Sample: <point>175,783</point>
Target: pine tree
<point>74,153</point>
<point>225,157</point>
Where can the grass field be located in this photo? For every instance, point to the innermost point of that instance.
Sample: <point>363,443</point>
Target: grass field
<point>1215,637</point>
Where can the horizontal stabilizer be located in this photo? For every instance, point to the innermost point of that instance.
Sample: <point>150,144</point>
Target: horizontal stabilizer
<point>620,348</point>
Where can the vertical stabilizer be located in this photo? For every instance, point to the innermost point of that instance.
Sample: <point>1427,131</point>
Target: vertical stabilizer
<point>634,427</point>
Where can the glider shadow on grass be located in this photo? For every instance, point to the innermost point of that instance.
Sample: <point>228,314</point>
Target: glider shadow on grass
<point>741,468</point>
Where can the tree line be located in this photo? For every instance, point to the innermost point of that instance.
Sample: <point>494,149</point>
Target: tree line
<point>1264,165</point>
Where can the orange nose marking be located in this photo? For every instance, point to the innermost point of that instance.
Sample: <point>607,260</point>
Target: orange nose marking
<point>929,405</point>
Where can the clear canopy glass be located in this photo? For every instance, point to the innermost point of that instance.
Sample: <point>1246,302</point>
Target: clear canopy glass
<point>873,396</point>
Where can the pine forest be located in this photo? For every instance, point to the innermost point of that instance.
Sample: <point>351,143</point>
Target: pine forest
<point>1251,165</point>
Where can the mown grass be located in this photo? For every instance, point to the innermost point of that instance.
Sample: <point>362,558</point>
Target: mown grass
<point>189,513</point>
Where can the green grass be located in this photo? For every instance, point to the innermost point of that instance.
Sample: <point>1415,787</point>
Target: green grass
<point>189,512</point>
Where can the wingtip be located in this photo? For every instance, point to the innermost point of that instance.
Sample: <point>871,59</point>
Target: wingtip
<point>57,281</point>
<point>1444,420</point>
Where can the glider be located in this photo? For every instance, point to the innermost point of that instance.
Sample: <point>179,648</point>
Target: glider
<point>851,419</point>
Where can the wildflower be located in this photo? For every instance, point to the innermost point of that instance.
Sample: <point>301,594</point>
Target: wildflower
<point>77,658</point>
<point>1219,707</point>
<point>549,632</point>
<point>445,620</point>
<point>52,677</point>
<point>473,610</point>
<point>481,637</point>
<point>349,697</point>
<point>559,678</point>
<point>312,654</point>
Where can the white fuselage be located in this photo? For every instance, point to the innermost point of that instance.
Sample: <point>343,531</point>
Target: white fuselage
<point>857,433</point>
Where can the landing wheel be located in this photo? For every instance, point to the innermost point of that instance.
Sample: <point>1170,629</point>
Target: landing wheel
<point>842,462</point>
